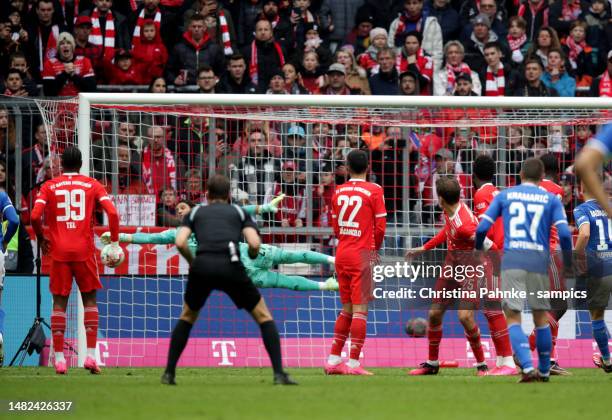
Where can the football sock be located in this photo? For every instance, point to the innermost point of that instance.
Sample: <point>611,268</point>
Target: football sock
<point>180,335</point>
<point>473,336</point>
<point>91,329</point>
<point>341,331</point>
<point>544,346</point>
<point>600,333</point>
<point>358,335</point>
<point>553,321</point>
<point>508,361</point>
<point>1,321</point>
<point>271,340</point>
<point>434,336</point>
<point>58,327</point>
<point>499,333</point>
<point>520,345</point>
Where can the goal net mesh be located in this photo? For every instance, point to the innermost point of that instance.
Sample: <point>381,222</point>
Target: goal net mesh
<point>151,156</point>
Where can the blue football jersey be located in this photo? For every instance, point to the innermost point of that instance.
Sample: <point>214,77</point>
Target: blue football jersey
<point>9,214</point>
<point>603,140</point>
<point>599,247</point>
<point>528,213</point>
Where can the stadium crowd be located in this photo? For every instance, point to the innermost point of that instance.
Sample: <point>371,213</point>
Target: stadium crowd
<point>330,47</point>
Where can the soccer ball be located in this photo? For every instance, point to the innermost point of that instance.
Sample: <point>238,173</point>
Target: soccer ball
<point>112,255</point>
<point>416,327</point>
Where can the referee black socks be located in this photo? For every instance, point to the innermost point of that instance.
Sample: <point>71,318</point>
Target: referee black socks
<point>271,340</point>
<point>180,335</point>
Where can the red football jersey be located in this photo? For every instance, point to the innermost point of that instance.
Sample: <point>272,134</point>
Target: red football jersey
<point>557,190</point>
<point>53,68</point>
<point>459,231</point>
<point>70,202</point>
<point>482,200</point>
<point>358,215</point>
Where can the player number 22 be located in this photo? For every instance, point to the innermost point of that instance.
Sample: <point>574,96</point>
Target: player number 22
<point>345,202</point>
<point>519,217</point>
<point>73,204</point>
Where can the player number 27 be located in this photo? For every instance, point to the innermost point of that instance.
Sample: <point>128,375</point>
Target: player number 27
<point>518,211</point>
<point>345,202</point>
<point>73,204</point>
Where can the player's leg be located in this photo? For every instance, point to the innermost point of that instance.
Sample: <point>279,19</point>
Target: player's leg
<point>60,284</point>
<point>86,276</point>
<point>269,334</point>
<point>472,335</point>
<point>598,295</point>
<point>283,256</point>
<point>434,337</point>
<point>358,335</point>
<point>498,327</point>
<point>543,341</point>
<point>196,293</point>
<point>342,328</point>
<point>274,279</point>
<point>2,272</point>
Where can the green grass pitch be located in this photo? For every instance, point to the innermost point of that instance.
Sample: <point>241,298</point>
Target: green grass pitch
<point>248,393</point>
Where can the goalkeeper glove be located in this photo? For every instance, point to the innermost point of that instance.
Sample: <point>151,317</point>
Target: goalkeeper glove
<point>123,237</point>
<point>272,206</point>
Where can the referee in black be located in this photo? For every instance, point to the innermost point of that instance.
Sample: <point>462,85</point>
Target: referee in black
<point>218,228</point>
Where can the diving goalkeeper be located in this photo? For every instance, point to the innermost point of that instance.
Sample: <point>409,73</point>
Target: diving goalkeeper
<point>259,269</point>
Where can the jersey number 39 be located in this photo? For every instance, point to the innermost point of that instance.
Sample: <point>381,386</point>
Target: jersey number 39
<point>73,205</point>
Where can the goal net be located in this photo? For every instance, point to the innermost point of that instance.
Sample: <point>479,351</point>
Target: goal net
<point>153,150</point>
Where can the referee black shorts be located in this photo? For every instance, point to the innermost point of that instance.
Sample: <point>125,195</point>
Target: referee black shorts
<point>216,272</point>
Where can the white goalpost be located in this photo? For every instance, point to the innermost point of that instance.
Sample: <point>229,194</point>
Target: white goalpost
<point>295,144</point>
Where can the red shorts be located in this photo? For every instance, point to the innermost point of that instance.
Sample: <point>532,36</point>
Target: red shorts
<point>555,272</point>
<point>491,280</point>
<point>84,272</point>
<point>355,282</point>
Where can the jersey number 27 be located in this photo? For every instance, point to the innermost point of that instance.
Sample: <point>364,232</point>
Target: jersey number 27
<point>518,226</point>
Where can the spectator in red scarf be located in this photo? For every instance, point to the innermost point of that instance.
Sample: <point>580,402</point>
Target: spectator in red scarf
<point>602,86</point>
<point>312,74</point>
<point>124,71</point>
<point>498,78</point>
<point>225,32</point>
<point>414,18</point>
<point>42,36</point>
<point>369,59</point>
<point>563,13</point>
<point>412,58</point>
<point>82,31</point>
<point>14,83</point>
<point>159,166</point>
<point>194,49</point>
<point>151,10</point>
<point>264,55</point>
<point>149,53</point>
<point>517,40</point>
<point>580,55</point>
<point>445,77</point>
<point>110,29</point>
<point>67,75</point>
<point>281,25</point>
<point>535,13</point>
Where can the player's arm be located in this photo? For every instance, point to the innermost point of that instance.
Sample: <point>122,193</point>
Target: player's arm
<point>487,220</point>
<point>271,207</point>
<point>251,236</point>
<point>10,215</point>
<point>380,215</point>
<point>589,161</point>
<point>111,212</point>
<point>182,242</point>
<point>437,240</point>
<point>163,238</point>
<point>584,230</point>
<point>559,220</point>
<point>36,219</point>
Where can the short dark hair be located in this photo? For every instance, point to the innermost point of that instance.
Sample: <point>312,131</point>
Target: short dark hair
<point>484,167</point>
<point>72,159</point>
<point>190,203</point>
<point>449,189</point>
<point>492,44</point>
<point>218,187</point>
<point>194,17</point>
<point>13,70</point>
<point>237,57</point>
<point>550,162</point>
<point>532,169</point>
<point>534,60</point>
<point>17,54</point>
<point>357,161</point>
<point>205,68</point>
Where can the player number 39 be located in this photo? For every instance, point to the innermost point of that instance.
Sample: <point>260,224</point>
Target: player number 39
<point>73,204</point>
